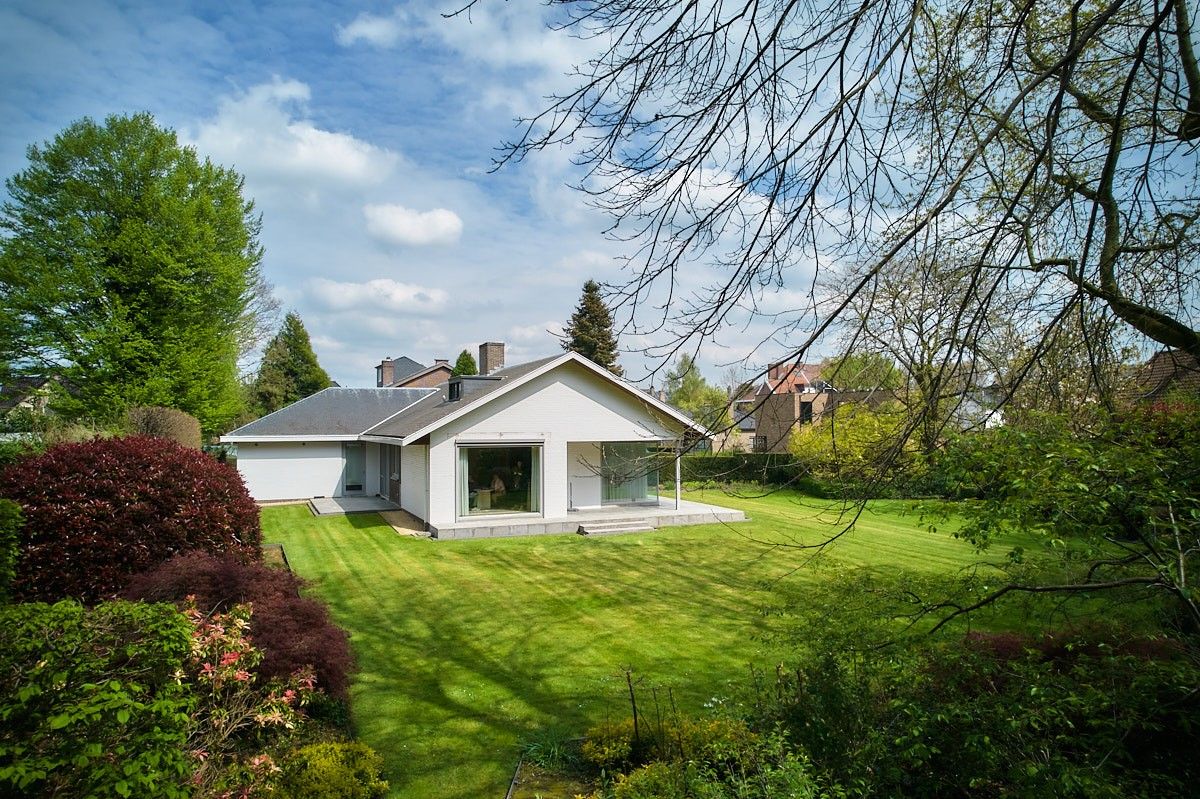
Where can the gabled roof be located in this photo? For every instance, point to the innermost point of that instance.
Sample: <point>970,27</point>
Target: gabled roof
<point>405,366</point>
<point>437,410</point>
<point>331,412</point>
<point>14,391</point>
<point>1167,371</point>
<point>409,414</point>
<point>399,380</point>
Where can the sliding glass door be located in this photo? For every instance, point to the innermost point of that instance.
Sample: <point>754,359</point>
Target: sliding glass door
<point>629,472</point>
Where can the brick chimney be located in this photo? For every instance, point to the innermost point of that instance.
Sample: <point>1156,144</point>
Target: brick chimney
<point>385,373</point>
<point>491,357</point>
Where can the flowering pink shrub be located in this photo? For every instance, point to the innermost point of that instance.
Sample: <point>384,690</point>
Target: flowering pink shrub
<point>232,711</point>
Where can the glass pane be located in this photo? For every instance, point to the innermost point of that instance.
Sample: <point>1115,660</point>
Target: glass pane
<point>499,480</point>
<point>629,473</point>
<point>356,467</point>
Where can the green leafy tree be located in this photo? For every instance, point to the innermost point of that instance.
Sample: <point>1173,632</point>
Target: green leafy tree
<point>862,370</point>
<point>289,370</point>
<point>132,269</point>
<point>590,331</point>
<point>465,365</point>
<point>688,391</point>
<point>853,441</point>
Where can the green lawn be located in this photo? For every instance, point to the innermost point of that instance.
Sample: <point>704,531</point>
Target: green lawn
<point>466,648</point>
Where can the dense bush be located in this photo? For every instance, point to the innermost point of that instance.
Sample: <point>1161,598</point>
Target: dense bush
<point>169,423</point>
<point>10,525</point>
<point>293,631</point>
<point>332,771</point>
<point>684,757</point>
<point>100,511</point>
<point>766,468</point>
<point>90,703</point>
<point>989,717</point>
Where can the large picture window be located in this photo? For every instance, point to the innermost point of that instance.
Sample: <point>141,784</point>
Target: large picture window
<point>495,480</point>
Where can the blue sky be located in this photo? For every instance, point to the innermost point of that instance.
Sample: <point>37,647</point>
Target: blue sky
<point>365,134</point>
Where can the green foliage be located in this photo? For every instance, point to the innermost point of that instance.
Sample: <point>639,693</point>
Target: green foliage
<point>995,716</point>
<point>686,757</point>
<point>590,331</point>
<point>168,423</point>
<point>688,391</point>
<point>465,365</point>
<point>90,703</point>
<point>862,371</point>
<point>1118,500</point>
<point>761,468</point>
<point>289,370</point>
<point>10,526</point>
<point>855,441</point>
<point>332,771</point>
<point>130,268</point>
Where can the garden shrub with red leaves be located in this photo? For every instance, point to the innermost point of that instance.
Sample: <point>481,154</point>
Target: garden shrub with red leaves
<point>99,511</point>
<point>292,631</point>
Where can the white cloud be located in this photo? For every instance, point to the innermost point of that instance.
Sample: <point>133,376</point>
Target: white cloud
<point>374,30</point>
<point>546,333</point>
<point>264,134</point>
<point>396,224</point>
<point>379,294</point>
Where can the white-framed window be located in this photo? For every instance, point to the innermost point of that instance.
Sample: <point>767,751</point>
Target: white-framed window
<point>499,478</point>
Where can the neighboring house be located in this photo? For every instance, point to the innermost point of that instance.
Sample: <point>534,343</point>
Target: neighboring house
<point>792,394</point>
<point>1167,373</point>
<point>404,372</point>
<point>24,394</point>
<point>517,447</point>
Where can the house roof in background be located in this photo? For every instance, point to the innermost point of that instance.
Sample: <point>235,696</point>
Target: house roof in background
<point>405,366</point>
<point>1167,371</point>
<point>399,380</point>
<point>13,391</point>
<point>332,412</point>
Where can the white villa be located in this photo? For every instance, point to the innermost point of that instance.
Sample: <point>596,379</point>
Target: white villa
<point>535,448</point>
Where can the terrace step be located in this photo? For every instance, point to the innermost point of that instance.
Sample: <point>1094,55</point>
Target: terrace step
<point>616,526</point>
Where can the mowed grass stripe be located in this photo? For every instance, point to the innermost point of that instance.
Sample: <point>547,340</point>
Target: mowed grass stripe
<point>467,647</point>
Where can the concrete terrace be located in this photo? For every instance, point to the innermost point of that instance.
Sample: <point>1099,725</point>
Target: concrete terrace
<point>612,518</point>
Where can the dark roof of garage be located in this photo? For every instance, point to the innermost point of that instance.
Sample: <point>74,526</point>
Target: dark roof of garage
<point>333,412</point>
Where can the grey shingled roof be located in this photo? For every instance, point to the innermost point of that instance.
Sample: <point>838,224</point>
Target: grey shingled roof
<point>405,366</point>
<point>437,406</point>
<point>333,412</point>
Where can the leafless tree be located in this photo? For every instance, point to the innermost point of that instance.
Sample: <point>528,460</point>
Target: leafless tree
<point>1053,144</point>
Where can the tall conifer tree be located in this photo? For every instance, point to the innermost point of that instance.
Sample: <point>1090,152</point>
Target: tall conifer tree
<point>289,370</point>
<point>590,331</point>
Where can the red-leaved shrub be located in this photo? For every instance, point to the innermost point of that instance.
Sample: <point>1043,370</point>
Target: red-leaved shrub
<point>99,511</point>
<point>291,630</point>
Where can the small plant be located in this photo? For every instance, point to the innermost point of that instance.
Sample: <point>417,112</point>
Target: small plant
<point>552,750</point>
<point>332,771</point>
<point>232,709</point>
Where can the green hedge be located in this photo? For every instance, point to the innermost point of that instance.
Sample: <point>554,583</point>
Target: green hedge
<point>767,468</point>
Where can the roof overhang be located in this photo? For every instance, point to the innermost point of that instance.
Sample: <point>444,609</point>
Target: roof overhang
<point>287,439</point>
